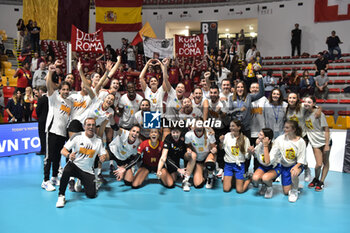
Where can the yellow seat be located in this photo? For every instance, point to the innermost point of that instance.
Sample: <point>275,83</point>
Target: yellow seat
<point>343,122</point>
<point>330,121</point>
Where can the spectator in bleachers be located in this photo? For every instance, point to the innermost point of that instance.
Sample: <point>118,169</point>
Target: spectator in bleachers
<point>296,39</point>
<point>2,101</point>
<point>111,52</point>
<point>2,47</point>
<point>333,42</point>
<point>251,69</point>
<point>321,89</point>
<point>131,56</point>
<point>173,72</point>
<point>307,84</point>
<point>35,63</point>
<point>294,81</point>
<point>35,37</point>
<point>14,107</point>
<point>39,76</point>
<point>241,45</point>
<point>20,33</point>
<point>270,82</point>
<point>24,77</point>
<point>251,53</point>
<point>123,50</point>
<point>321,64</point>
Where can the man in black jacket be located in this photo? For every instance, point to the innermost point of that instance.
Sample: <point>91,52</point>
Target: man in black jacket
<point>41,111</point>
<point>296,39</point>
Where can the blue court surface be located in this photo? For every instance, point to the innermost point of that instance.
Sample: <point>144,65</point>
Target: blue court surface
<point>26,207</point>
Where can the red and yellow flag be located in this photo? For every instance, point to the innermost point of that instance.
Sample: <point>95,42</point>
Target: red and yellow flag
<point>146,30</point>
<point>118,15</point>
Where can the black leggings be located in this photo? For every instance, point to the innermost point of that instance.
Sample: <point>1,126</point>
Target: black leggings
<point>87,179</point>
<point>53,155</point>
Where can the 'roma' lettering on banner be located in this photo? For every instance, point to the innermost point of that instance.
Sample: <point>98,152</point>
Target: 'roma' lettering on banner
<point>189,46</point>
<point>87,42</point>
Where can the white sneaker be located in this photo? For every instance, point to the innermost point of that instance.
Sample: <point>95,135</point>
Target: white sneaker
<point>186,186</point>
<point>262,190</point>
<point>269,192</point>
<point>220,173</point>
<point>307,174</point>
<point>55,181</point>
<point>77,186</point>
<point>48,186</point>
<point>61,201</point>
<point>278,179</point>
<point>209,184</point>
<point>293,195</point>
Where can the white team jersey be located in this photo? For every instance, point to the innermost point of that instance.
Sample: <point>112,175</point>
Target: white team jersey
<point>130,107</point>
<point>156,99</point>
<point>138,120</point>
<point>121,147</point>
<point>201,144</point>
<point>173,105</point>
<point>199,106</point>
<point>289,152</point>
<point>86,150</point>
<point>232,152</point>
<point>194,114</point>
<point>293,115</point>
<point>259,155</point>
<point>103,94</point>
<point>257,120</point>
<point>225,102</point>
<point>315,129</point>
<point>58,115</point>
<point>213,112</point>
<point>80,104</point>
<point>96,111</point>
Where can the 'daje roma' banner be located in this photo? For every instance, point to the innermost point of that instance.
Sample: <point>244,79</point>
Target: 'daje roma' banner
<point>189,46</point>
<point>87,42</point>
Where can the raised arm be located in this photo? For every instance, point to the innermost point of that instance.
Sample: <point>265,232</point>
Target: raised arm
<point>49,83</point>
<point>143,74</point>
<point>85,81</point>
<point>166,84</point>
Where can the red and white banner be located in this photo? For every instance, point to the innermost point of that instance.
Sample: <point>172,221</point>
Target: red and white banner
<point>87,42</point>
<point>332,10</point>
<point>189,46</point>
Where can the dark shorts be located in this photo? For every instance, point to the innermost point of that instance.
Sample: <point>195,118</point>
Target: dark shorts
<point>75,126</point>
<point>149,168</point>
<point>286,176</point>
<point>118,161</point>
<point>265,169</point>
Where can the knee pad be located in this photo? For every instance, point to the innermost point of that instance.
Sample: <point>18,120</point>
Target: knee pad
<point>210,166</point>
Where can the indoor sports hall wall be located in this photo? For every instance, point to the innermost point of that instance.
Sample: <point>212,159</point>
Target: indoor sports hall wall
<point>274,24</point>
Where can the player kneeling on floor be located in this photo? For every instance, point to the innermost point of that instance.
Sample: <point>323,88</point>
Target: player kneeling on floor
<point>201,145</point>
<point>123,149</point>
<point>235,145</point>
<point>269,168</point>
<point>291,148</point>
<point>85,147</point>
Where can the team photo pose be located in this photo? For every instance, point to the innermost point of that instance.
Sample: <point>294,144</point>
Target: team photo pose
<point>319,137</point>
<point>269,167</point>
<point>56,127</point>
<point>201,145</point>
<point>85,147</point>
<point>235,145</point>
<point>291,148</point>
<point>169,164</point>
<point>150,150</point>
<point>123,150</point>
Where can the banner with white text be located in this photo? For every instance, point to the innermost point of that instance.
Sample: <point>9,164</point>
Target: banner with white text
<point>19,138</point>
<point>189,46</point>
<point>87,42</point>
